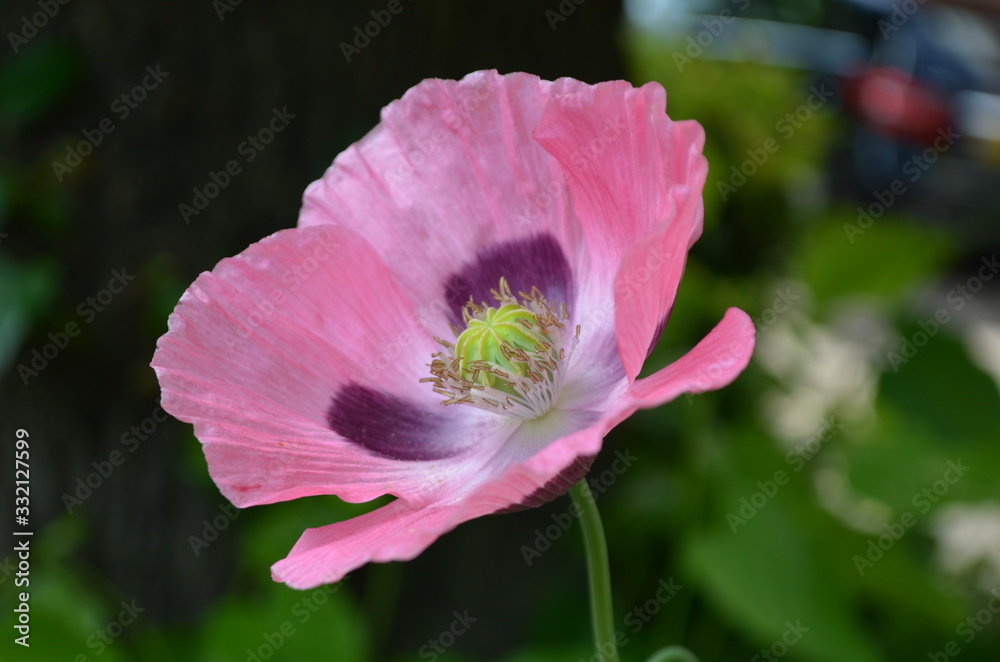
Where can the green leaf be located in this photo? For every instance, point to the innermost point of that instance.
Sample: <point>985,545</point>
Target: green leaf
<point>70,618</point>
<point>33,82</point>
<point>883,262</point>
<point>285,624</point>
<point>939,389</point>
<point>24,291</point>
<point>774,574</point>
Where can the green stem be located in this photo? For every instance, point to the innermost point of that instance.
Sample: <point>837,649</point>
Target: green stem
<point>601,609</point>
<point>673,654</point>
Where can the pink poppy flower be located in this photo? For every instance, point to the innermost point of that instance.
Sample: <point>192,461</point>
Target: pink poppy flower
<point>344,356</point>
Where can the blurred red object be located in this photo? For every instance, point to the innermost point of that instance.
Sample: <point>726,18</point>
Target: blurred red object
<point>893,102</point>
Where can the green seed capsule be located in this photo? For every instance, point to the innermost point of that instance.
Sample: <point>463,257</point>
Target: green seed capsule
<point>495,339</point>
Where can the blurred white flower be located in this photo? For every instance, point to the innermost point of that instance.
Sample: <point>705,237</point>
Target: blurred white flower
<point>983,339</point>
<point>968,541</point>
<point>822,371</point>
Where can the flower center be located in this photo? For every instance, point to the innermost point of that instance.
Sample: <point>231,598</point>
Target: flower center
<point>508,358</point>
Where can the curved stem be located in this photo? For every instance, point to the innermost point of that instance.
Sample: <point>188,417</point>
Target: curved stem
<point>601,609</point>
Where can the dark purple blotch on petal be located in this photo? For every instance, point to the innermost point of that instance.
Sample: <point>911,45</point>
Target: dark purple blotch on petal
<point>528,262</point>
<point>388,425</point>
<point>658,332</point>
<point>555,488</point>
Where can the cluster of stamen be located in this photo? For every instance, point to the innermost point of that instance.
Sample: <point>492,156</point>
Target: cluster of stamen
<point>508,357</point>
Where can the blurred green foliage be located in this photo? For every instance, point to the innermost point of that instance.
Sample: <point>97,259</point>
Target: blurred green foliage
<point>796,556</point>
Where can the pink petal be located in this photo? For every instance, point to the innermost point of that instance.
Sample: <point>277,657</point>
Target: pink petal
<point>396,532</point>
<point>646,286</point>
<point>713,363</point>
<point>258,347</point>
<point>636,179</point>
<point>450,169</point>
<point>591,190</point>
<point>399,532</point>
